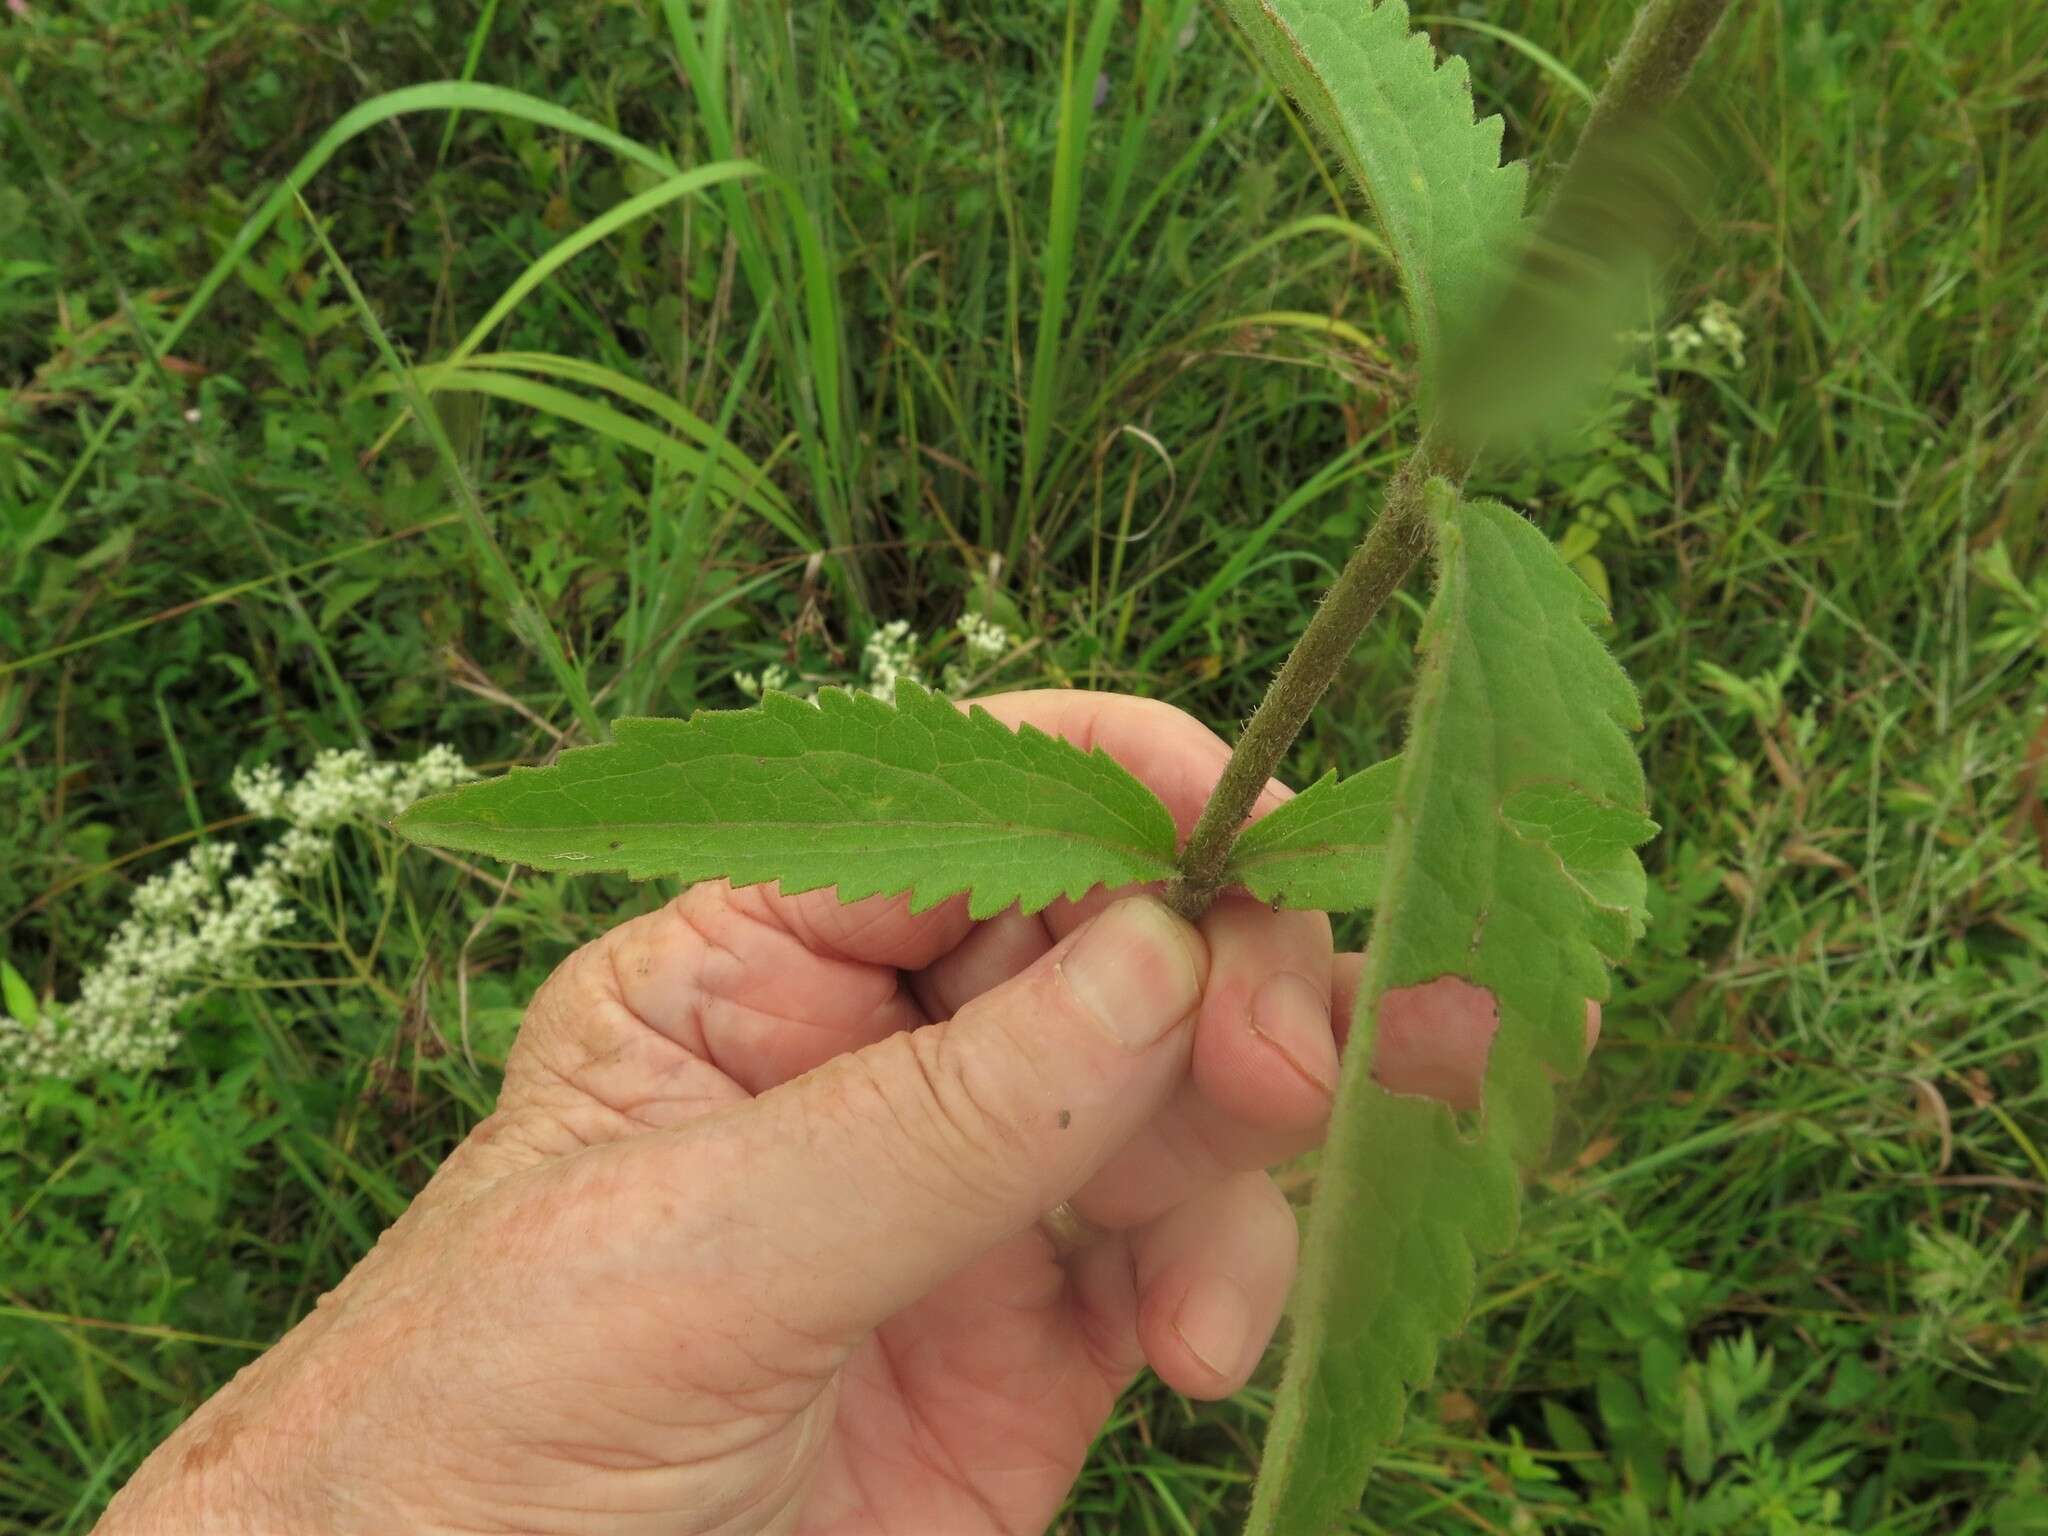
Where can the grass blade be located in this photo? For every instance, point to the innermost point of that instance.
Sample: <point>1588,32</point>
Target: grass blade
<point>439,96</point>
<point>527,619</point>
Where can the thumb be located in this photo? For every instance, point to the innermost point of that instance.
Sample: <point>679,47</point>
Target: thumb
<point>869,1180</point>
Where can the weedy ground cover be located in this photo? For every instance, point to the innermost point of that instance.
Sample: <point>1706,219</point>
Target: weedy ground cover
<point>1122,378</point>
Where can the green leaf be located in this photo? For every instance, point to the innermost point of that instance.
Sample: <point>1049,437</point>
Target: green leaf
<point>1403,126</point>
<point>1325,848</point>
<point>918,798</point>
<point>16,993</point>
<point>1508,863</point>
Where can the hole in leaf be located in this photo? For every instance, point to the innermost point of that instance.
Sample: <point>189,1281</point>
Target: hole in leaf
<point>1434,1039</point>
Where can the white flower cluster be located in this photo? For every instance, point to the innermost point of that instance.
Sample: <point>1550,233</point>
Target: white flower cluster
<point>773,678</point>
<point>197,923</point>
<point>1714,328</point>
<point>891,653</point>
<point>986,639</point>
<point>346,786</point>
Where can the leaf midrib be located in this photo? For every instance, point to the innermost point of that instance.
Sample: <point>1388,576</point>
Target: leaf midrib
<point>1163,860</point>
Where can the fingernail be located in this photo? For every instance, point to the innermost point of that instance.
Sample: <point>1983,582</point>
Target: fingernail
<point>1215,1322</point>
<point>1134,970</point>
<point>1290,1013</point>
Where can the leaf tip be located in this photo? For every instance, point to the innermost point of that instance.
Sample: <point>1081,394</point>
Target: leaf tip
<point>416,822</point>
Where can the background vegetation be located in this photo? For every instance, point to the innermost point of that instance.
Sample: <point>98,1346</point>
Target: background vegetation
<point>1114,369</point>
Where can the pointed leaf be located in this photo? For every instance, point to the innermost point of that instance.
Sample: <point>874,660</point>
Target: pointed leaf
<point>1402,123</point>
<point>1508,864</point>
<point>1324,849</point>
<point>919,798</point>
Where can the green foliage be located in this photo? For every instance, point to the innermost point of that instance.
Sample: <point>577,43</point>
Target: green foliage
<point>1325,848</point>
<point>1509,864</point>
<point>918,798</point>
<point>1505,836</point>
<point>1401,123</point>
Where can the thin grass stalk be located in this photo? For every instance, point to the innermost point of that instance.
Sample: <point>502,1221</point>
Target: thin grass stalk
<point>1077,110</point>
<point>527,620</point>
<point>224,484</point>
<point>437,96</point>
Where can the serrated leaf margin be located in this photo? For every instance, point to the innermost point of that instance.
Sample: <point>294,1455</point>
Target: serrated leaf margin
<point>1406,1203</point>
<point>1323,850</point>
<point>1404,125</point>
<point>1142,848</point>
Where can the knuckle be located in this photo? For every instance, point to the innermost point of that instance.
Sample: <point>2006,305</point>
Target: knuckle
<point>563,1229</point>
<point>958,1128</point>
<point>583,1019</point>
<point>571,995</point>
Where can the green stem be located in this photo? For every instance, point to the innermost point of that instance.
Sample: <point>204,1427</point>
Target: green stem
<point>1652,67</point>
<point>1647,76</point>
<point>1381,563</point>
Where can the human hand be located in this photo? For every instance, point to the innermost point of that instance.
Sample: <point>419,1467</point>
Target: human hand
<point>752,1243</point>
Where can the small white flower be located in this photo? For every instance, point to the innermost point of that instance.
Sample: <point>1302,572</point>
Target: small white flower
<point>299,852</point>
<point>985,638</point>
<point>1718,325</point>
<point>260,789</point>
<point>1713,329</point>
<point>889,655</point>
<point>773,678</point>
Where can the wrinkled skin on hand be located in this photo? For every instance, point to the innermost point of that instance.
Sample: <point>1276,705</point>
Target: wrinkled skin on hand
<point>751,1242</point>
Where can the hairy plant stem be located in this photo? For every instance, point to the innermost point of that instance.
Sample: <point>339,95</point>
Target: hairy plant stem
<point>1652,68</point>
<point>1646,77</point>
<point>1381,563</point>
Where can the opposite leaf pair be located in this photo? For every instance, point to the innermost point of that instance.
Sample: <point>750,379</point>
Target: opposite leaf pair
<point>921,799</point>
<point>918,799</point>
